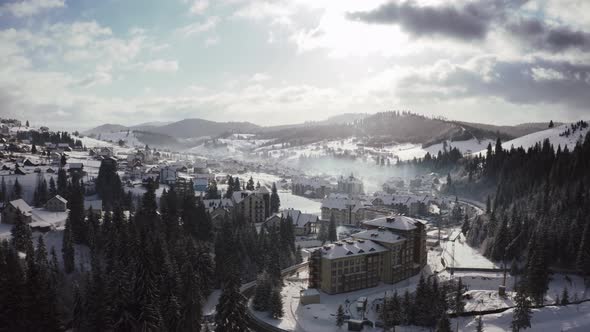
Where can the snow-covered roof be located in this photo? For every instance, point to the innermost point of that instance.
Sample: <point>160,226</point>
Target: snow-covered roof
<point>379,235</point>
<point>58,197</point>
<point>22,206</point>
<point>217,203</point>
<point>299,219</point>
<point>351,247</point>
<point>402,223</point>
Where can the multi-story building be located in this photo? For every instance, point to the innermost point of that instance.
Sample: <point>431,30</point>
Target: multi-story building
<point>253,206</point>
<point>346,210</point>
<point>350,185</point>
<point>314,187</point>
<point>390,250</point>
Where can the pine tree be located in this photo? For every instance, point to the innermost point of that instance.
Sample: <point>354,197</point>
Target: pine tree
<point>583,258</point>
<point>21,233</point>
<point>62,183</point>
<point>459,301</point>
<point>68,248</point>
<point>332,235</point>
<point>250,184</point>
<point>340,316</point>
<point>190,319</point>
<point>34,149</point>
<point>565,298</point>
<point>488,205</point>
<point>17,191</point>
<point>521,317</point>
<point>52,188</point>
<point>79,311</point>
<point>3,192</point>
<point>443,324</point>
<point>275,201</point>
<point>276,304</point>
<point>261,300</point>
<point>231,307</point>
<point>479,324</point>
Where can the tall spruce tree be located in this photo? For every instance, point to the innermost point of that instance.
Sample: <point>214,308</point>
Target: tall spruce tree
<point>231,308</point>
<point>521,316</point>
<point>275,201</point>
<point>332,234</point>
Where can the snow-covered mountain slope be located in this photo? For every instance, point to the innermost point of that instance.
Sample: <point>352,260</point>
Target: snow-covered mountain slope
<point>555,135</point>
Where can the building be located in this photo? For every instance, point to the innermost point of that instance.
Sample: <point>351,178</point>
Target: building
<point>314,187</point>
<point>350,185</point>
<point>345,210</point>
<point>10,210</point>
<point>76,169</point>
<point>57,204</point>
<point>168,175</point>
<point>183,185</point>
<point>346,266</point>
<point>250,206</point>
<point>390,250</point>
<point>303,223</point>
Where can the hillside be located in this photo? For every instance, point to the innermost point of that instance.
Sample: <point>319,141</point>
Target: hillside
<point>555,135</point>
<point>105,128</point>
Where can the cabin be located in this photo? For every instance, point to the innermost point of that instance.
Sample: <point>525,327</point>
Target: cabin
<point>10,211</point>
<point>57,204</point>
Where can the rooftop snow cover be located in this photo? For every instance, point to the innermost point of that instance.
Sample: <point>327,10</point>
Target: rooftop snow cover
<point>58,197</point>
<point>379,235</point>
<point>402,223</point>
<point>299,219</point>
<point>351,247</point>
<point>20,204</point>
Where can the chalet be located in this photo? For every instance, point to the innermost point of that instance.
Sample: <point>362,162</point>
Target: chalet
<point>57,204</point>
<point>9,212</point>
<point>105,152</point>
<point>303,223</point>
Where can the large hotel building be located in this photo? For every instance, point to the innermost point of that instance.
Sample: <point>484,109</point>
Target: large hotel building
<point>391,249</point>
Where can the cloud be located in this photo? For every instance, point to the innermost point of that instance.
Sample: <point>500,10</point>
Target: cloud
<point>29,8</point>
<point>210,41</point>
<point>199,27</point>
<point>98,78</point>
<point>260,77</point>
<point>160,66</point>
<point>540,35</point>
<point>199,7</point>
<point>522,82</point>
<point>468,22</point>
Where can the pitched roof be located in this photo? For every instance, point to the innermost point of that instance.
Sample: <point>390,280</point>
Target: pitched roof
<point>402,223</point>
<point>379,235</point>
<point>351,247</point>
<point>61,199</point>
<point>22,206</point>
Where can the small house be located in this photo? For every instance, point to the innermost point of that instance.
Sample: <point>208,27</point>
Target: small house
<point>57,204</point>
<point>9,212</point>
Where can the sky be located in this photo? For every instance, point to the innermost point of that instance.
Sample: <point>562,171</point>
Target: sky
<point>81,63</point>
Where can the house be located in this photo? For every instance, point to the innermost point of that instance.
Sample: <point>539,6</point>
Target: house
<point>253,206</point>
<point>303,223</point>
<point>93,205</point>
<point>10,210</point>
<point>57,204</point>
<point>347,210</point>
<point>314,187</point>
<point>168,175</point>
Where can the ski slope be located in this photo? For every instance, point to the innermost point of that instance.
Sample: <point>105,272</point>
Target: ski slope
<point>553,134</point>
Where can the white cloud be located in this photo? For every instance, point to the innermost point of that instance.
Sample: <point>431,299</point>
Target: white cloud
<point>98,78</point>
<point>210,41</point>
<point>199,7</point>
<point>160,66</point>
<point>260,77</point>
<point>199,27</point>
<point>29,8</point>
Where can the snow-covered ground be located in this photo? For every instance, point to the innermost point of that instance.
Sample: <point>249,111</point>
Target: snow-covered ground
<point>306,205</point>
<point>553,134</point>
<point>460,254</point>
<point>573,318</point>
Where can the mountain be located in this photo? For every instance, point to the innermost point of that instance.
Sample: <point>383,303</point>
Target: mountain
<point>557,136</point>
<point>514,131</point>
<point>188,128</point>
<point>105,128</point>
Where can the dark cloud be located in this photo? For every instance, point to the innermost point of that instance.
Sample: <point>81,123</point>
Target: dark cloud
<point>540,35</point>
<point>468,22</point>
<point>518,82</point>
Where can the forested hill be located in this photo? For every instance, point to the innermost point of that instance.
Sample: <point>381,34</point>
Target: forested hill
<point>539,216</point>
